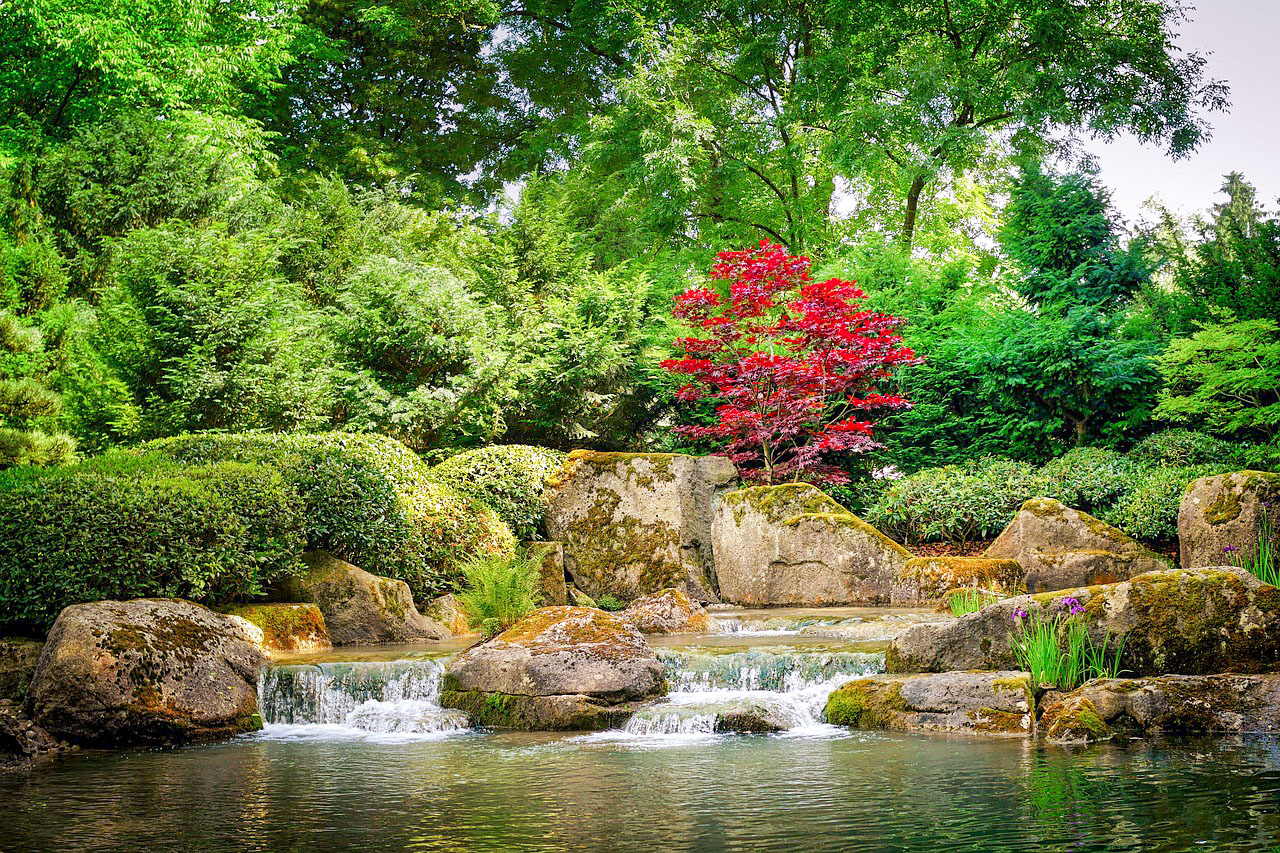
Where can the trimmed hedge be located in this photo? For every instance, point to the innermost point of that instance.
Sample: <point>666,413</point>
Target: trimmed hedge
<point>1088,478</point>
<point>366,499</point>
<point>511,479</point>
<point>1149,508</point>
<point>1183,447</point>
<point>125,526</point>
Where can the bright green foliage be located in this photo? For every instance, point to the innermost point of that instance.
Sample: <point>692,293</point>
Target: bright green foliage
<point>1182,447</point>
<point>510,479</point>
<point>367,499</point>
<point>27,405</point>
<point>499,590</point>
<point>610,603</point>
<point>1057,650</point>
<point>1262,560</point>
<point>969,600</point>
<point>1148,509</point>
<point>1225,379</point>
<point>125,526</point>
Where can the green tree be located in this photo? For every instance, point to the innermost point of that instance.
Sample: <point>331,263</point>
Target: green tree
<point>27,404</point>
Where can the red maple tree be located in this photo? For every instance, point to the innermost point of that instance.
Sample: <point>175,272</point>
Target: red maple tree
<point>792,363</point>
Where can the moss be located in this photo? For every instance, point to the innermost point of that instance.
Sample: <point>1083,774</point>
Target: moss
<point>1043,507</point>
<point>606,548</point>
<point>283,625</point>
<point>534,713</point>
<point>777,503</point>
<point>936,576</point>
<point>867,704</point>
<point>847,519</point>
<point>1225,507</point>
<point>609,636</point>
<point>993,721</point>
<point>1074,719</point>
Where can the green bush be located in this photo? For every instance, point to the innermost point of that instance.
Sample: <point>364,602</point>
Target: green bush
<point>610,603</point>
<point>1183,447</point>
<point>510,479</point>
<point>499,590</point>
<point>123,526</point>
<point>1149,510</point>
<point>367,499</point>
<point>955,503</point>
<point>1088,478</point>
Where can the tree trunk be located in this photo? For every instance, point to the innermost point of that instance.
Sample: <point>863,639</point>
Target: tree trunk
<point>913,206</point>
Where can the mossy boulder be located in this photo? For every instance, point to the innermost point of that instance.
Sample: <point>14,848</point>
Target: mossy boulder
<point>792,544</point>
<point>1170,704</point>
<point>146,671</point>
<point>360,608</point>
<point>1193,622</point>
<point>1224,512</point>
<point>551,582</point>
<point>976,702</point>
<point>289,628</point>
<point>927,580</point>
<point>1061,548</point>
<point>635,523</point>
<point>571,657</point>
<point>448,611</point>
<point>667,611</point>
<point>18,659</point>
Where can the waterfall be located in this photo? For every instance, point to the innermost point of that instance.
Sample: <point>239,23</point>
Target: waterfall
<point>399,698</point>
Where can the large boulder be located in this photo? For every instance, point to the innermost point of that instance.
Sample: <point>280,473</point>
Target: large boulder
<point>1062,548</point>
<point>1225,512</point>
<point>18,659</point>
<point>286,628</point>
<point>977,702</point>
<point>557,668</point>
<point>449,612</point>
<point>926,580</point>
<point>1191,622</point>
<point>146,671</point>
<point>634,523</point>
<point>792,544</point>
<point>667,611</point>
<point>360,608</point>
<point>1169,704</point>
<point>551,582</point>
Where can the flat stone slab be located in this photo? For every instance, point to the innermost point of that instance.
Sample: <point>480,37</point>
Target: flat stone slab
<point>1000,703</point>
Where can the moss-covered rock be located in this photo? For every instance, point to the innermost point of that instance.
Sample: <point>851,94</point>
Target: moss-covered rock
<point>551,582</point>
<point>146,671</point>
<point>291,628</point>
<point>18,658</point>
<point>977,702</point>
<point>792,544</point>
<point>927,580</point>
<point>360,608</point>
<point>1192,622</point>
<point>1061,548</point>
<point>1073,719</point>
<point>667,611</point>
<point>448,611</point>
<point>1224,512</point>
<point>564,661</point>
<point>635,523</point>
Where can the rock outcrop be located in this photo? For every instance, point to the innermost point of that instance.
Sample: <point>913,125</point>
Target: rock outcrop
<point>1061,548</point>
<point>1170,704</point>
<point>635,523</point>
<point>558,668</point>
<point>448,611</point>
<point>1222,512</point>
<point>1190,622</point>
<point>667,611</point>
<point>792,544</point>
<point>18,659</point>
<point>286,628</point>
<point>977,702</point>
<point>360,608</point>
<point>927,580</point>
<point>551,582</point>
<point>147,671</point>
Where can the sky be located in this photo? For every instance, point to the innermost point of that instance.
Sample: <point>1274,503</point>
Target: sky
<point>1240,37</point>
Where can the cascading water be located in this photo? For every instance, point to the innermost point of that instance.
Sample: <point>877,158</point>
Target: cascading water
<point>753,690</point>
<point>396,698</point>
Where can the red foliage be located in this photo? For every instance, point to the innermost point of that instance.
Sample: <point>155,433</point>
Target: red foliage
<point>792,363</point>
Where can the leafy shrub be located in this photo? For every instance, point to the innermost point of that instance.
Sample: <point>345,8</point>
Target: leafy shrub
<point>122,526</point>
<point>1149,510</point>
<point>510,479</point>
<point>610,602</point>
<point>955,503</point>
<point>499,590</point>
<point>367,499</point>
<point>1088,478</point>
<point>1182,447</point>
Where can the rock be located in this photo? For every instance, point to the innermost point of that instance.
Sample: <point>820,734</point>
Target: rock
<point>926,580</point>
<point>1170,704</point>
<point>578,598</point>
<point>551,583</point>
<point>667,611</point>
<point>289,628</point>
<point>1192,622</point>
<point>18,658</point>
<point>22,741</point>
<point>979,702</point>
<point>635,523</point>
<point>1223,512</point>
<point>792,544</point>
<point>557,668</point>
<point>447,610</point>
<point>1061,548</point>
<point>724,716</point>
<point>147,671</point>
<point>360,608</point>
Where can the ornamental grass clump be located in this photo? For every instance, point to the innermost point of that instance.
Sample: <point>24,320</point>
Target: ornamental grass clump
<point>500,589</point>
<point>1261,561</point>
<point>969,600</point>
<point>1055,647</point>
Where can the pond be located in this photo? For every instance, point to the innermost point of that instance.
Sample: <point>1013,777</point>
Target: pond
<point>358,755</point>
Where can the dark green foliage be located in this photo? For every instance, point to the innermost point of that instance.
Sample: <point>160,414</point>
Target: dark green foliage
<point>27,405</point>
<point>1148,509</point>
<point>1183,447</point>
<point>125,526</point>
<point>1089,478</point>
<point>510,479</point>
